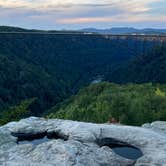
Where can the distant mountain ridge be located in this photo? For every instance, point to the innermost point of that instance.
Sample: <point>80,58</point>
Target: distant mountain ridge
<point>114,31</point>
<point>125,30</point>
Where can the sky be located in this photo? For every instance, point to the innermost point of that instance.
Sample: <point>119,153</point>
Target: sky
<point>78,14</point>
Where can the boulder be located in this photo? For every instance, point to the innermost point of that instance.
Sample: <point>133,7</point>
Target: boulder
<point>72,143</point>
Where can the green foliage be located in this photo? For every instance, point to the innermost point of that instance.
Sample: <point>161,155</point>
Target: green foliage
<point>160,93</point>
<point>132,104</point>
<point>14,113</point>
<point>52,67</point>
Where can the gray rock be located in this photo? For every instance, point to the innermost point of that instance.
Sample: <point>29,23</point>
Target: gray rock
<point>158,126</point>
<point>76,144</point>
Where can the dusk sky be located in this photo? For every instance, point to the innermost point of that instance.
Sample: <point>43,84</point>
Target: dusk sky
<point>77,14</point>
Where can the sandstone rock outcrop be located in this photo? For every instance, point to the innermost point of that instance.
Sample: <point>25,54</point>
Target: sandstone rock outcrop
<point>76,143</point>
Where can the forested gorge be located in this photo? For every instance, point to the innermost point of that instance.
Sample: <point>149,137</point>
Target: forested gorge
<point>39,71</point>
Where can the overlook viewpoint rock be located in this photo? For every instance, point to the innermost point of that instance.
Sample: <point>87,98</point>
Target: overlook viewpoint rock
<point>70,143</point>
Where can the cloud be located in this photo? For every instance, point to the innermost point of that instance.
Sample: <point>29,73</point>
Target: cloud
<point>83,12</point>
<point>84,20</point>
<point>130,5</point>
<point>111,19</point>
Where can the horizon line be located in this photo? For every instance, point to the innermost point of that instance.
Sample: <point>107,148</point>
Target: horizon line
<point>77,29</point>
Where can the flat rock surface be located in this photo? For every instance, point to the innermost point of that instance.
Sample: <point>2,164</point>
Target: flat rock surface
<point>76,143</point>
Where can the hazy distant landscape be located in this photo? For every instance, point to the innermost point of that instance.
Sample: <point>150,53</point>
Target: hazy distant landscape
<point>127,30</point>
<point>111,31</point>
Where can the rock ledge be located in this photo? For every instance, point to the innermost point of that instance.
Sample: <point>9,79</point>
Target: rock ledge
<point>75,143</point>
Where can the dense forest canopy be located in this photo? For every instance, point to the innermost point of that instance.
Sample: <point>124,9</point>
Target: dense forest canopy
<point>52,67</point>
<point>132,104</point>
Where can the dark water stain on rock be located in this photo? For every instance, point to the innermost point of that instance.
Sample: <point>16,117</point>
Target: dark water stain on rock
<point>128,152</point>
<point>121,148</point>
<point>37,138</point>
<point>35,141</point>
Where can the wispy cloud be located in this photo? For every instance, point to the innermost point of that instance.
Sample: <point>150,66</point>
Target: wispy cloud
<point>111,19</point>
<point>138,5</point>
<point>82,12</point>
